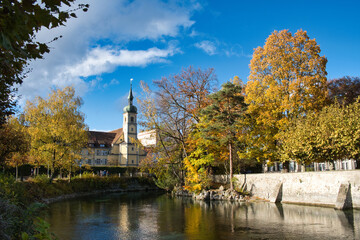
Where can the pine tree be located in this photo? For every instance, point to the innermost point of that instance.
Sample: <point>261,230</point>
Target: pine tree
<point>222,117</point>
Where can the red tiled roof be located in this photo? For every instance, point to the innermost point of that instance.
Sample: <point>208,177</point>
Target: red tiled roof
<point>98,138</point>
<point>118,132</point>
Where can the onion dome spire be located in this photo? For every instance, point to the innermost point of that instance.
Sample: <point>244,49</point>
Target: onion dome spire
<point>130,108</point>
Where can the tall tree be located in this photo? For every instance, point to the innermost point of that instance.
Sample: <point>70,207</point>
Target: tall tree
<point>345,90</point>
<point>57,128</point>
<point>287,80</point>
<point>19,23</point>
<point>227,108</point>
<point>171,111</point>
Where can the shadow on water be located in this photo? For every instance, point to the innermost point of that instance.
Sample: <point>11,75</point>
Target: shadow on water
<point>154,216</point>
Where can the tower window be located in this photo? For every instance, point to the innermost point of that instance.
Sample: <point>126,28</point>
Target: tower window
<point>132,129</point>
<point>132,119</point>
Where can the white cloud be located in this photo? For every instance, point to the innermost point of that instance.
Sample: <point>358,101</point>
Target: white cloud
<point>100,60</point>
<point>221,48</point>
<point>80,53</point>
<point>114,82</point>
<point>207,46</point>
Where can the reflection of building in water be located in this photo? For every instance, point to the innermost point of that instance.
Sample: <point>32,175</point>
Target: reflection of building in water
<point>119,147</point>
<point>124,221</point>
<point>148,221</point>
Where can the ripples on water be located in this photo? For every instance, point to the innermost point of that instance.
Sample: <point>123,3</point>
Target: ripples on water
<point>153,216</point>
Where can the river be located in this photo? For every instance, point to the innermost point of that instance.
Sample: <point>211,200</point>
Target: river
<point>145,215</point>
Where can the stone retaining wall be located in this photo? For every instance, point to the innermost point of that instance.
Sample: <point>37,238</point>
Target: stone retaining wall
<point>314,188</point>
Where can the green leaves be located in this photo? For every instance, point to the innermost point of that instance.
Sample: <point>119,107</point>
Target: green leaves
<point>217,132</point>
<point>331,134</point>
<point>19,23</point>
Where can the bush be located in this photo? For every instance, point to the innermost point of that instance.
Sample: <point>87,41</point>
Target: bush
<point>16,210</point>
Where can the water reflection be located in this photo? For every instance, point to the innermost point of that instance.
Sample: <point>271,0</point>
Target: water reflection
<point>153,216</point>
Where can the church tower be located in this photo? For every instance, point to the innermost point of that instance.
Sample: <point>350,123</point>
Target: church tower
<point>129,119</point>
<point>129,150</point>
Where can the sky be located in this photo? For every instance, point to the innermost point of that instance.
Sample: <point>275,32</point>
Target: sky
<point>116,40</point>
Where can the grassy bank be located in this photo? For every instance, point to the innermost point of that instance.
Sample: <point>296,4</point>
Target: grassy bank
<point>21,201</point>
<point>40,188</point>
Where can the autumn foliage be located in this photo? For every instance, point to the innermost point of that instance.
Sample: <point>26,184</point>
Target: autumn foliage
<point>287,80</point>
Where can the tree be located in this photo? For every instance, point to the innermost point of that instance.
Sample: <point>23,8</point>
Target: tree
<point>14,142</point>
<point>203,155</point>
<point>171,111</point>
<point>331,134</point>
<point>57,128</point>
<point>345,90</point>
<point>287,80</point>
<point>227,108</point>
<point>19,23</point>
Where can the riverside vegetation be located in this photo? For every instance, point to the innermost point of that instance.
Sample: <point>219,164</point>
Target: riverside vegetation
<point>20,202</point>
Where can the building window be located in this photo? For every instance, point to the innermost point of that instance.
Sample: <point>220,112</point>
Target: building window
<point>132,149</point>
<point>132,119</point>
<point>98,152</point>
<point>102,145</point>
<point>89,161</point>
<point>132,129</point>
<point>91,145</point>
<point>105,152</point>
<point>132,161</point>
<point>98,161</point>
<point>105,161</point>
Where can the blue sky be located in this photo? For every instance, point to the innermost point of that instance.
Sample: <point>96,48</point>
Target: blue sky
<point>147,39</point>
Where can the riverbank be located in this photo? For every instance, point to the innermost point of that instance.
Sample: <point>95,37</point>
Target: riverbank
<point>337,189</point>
<point>220,194</point>
<point>41,190</point>
<point>134,186</point>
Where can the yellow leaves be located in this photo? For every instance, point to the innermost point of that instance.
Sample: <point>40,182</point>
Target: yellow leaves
<point>287,79</point>
<point>56,126</point>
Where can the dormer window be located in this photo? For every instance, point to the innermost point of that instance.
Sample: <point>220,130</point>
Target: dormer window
<point>102,145</point>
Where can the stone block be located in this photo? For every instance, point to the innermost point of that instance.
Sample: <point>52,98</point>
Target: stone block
<point>344,199</point>
<point>276,195</point>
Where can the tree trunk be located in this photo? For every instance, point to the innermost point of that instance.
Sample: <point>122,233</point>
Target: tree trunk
<point>70,174</point>
<point>231,167</point>
<point>17,171</point>
<point>52,172</point>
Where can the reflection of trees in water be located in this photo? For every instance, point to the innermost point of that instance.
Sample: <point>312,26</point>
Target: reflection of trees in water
<point>153,216</point>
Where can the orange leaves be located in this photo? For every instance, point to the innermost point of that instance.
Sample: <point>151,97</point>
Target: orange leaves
<point>287,79</point>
